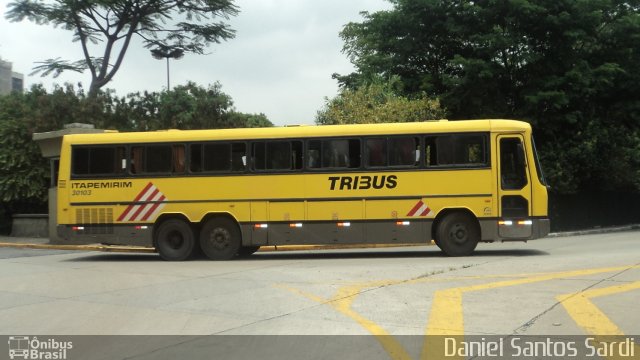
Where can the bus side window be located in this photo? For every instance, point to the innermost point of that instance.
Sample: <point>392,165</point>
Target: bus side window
<point>195,161</point>
<point>430,152</point>
<point>178,159</point>
<point>445,150</point>
<point>296,155</point>
<point>314,160</point>
<point>121,160</point>
<point>98,161</point>
<point>158,159</point>
<point>376,152</point>
<point>259,155</point>
<point>404,151</point>
<point>279,155</point>
<point>238,157</point>
<point>137,153</point>
<point>217,157</point>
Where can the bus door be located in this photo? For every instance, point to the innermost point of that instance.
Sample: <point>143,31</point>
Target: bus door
<point>514,188</point>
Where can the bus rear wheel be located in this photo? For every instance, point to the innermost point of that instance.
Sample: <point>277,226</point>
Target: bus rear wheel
<point>175,240</point>
<point>458,234</point>
<point>220,239</point>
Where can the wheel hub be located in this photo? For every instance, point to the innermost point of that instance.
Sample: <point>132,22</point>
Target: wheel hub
<point>220,238</point>
<point>458,234</point>
<point>175,240</point>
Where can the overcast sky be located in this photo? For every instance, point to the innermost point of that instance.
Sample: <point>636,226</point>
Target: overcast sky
<point>280,62</point>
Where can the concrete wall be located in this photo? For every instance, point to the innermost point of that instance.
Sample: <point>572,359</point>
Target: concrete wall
<point>30,225</point>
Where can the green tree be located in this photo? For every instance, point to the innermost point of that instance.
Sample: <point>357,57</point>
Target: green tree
<point>24,173</point>
<point>248,120</point>
<point>189,106</point>
<point>170,26</point>
<point>40,110</point>
<point>377,103</point>
<point>570,67</point>
<point>193,107</point>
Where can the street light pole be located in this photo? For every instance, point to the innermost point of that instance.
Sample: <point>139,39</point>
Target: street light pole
<point>168,84</point>
<point>164,52</point>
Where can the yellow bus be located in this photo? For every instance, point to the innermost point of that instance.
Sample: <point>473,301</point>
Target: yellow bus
<point>227,192</point>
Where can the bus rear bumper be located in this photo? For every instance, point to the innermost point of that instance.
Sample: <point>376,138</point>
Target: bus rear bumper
<point>515,229</point>
<point>541,228</point>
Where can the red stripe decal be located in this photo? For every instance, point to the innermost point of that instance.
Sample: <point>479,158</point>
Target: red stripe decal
<point>124,214</point>
<point>153,208</point>
<point>426,212</point>
<point>415,208</point>
<point>135,215</point>
<point>126,211</point>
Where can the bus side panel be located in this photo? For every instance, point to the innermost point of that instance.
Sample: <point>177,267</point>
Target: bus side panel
<point>396,228</point>
<point>334,221</point>
<point>398,231</point>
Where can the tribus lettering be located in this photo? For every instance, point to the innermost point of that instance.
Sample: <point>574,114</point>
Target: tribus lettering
<point>363,182</point>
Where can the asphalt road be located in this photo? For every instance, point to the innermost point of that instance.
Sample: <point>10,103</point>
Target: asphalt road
<point>578,285</point>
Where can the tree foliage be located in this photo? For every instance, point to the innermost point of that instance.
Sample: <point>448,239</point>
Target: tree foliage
<point>172,26</point>
<point>24,172</point>
<point>570,67</point>
<point>377,103</point>
<point>185,107</point>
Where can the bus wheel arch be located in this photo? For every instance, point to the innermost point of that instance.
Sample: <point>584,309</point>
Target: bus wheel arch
<point>174,237</point>
<point>456,231</point>
<point>220,236</point>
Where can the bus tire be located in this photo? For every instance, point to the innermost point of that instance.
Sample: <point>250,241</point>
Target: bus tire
<point>175,240</point>
<point>220,239</point>
<point>247,250</point>
<point>458,234</point>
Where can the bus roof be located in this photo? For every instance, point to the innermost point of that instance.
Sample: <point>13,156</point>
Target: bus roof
<point>442,126</point>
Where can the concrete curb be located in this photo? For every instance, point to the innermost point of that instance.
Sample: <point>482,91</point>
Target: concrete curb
<point>138,249</point>
<point>334,247</point>
<point>96,247</point>
<point>596,231</point>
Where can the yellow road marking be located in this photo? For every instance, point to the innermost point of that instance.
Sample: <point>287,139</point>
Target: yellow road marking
<point>346,295</point>
<point>590,318</point>
<point>446,315</point>
<point>342,301</point>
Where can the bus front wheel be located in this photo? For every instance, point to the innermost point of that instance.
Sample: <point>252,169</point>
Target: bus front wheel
<point>175,240</point>
<point>220,239</point>
<point>458,234</point>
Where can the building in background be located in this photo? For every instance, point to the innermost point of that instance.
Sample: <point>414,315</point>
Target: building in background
<point>9,80</point>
